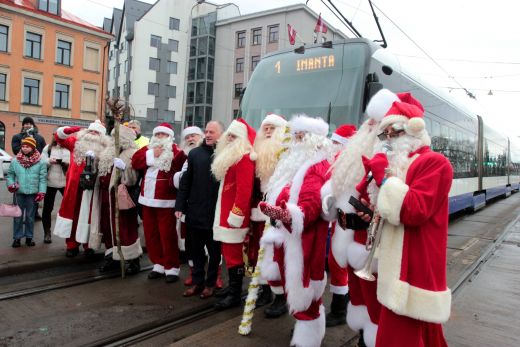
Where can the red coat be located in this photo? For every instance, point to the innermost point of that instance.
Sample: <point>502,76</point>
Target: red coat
<point>233,208</point>
<point>157,188</point>
<point>412,252</point>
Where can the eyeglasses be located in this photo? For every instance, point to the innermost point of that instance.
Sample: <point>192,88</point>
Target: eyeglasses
<point>386,134</point>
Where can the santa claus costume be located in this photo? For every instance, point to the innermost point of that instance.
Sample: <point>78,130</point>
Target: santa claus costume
<point>77,212</point>
<point>413,203</point>
<point>299,233</point>
<point>337,272</point>
<point>109,162</point>
<point>158,162</point>
<point>234,168</point>
<point>269,146</point>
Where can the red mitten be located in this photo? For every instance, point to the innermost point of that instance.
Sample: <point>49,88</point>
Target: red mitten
<point>39,197</point>
<point>280,213</point>
<point>378,164</point>
<point>71,130</point>
<point>13,187</point>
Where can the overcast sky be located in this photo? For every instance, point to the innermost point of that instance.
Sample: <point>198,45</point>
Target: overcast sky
<point>474,41</point>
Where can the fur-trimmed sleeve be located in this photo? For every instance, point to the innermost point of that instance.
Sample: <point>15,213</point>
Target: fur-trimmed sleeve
<point>139,159</point>
<point>67,143</point>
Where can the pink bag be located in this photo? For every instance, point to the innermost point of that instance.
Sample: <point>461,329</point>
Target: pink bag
<point>123,198</point>
<point>7,210</point>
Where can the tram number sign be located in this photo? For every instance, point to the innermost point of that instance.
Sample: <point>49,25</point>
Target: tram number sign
<point>309,64</point>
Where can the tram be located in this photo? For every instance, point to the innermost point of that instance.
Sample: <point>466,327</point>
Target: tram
<point>335,80</point>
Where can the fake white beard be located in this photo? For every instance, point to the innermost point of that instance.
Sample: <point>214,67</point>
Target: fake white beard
<point>164,161</point>
<point>268,153</point>
<point>227,154</point>
<point>186,147</point>
<point>398,157</point>
<point>88,142</point>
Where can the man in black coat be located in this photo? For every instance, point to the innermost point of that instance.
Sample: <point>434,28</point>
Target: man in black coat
<point>197,198</point>
<point>28,129</point>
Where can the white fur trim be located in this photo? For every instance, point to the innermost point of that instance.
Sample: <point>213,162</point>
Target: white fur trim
<point>370,334</point>
<point>129,252</point>
<point>82,229</point>
<point>340,290</point>
<point>308,124</point>
<point>380,103</point>
<point>309,333</point>
<point>190,131</point>
<point>61,133</point>
<point>297,218</point>
<point>358,319</point>
<point>399,296</point>
<point>392,119</point>
<point>415,126</point>
<point>277,290</point>
<point>163,129</point>
<point>235,220</point>
<point>173,271</point>
<point>62,227</point>
<point>150,158</point>
<point>269,268</point>
<point>177,179</point>
<point>390,199</point>
<point>258,216</point>
<point>357,256</point>
<point>98,127</point>
<point>238,128</point>
<point>274,119</point>
<point>340,139</point>
<point>329,211</point>
<point>229,235</point>
<point>150,202</point>
<point>158,268</point>
<point>339,243</point>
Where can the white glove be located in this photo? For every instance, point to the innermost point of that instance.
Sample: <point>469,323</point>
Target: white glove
<point>119,163</point>
<point>90,154</point>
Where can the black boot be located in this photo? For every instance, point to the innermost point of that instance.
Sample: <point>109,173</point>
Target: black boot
<point>338,310</point>
<point>265,297</point>
<point>29,242</point>
<point>16,243</point>
<point>47,236</point>
<point>277,308</point>
<point>132,267</point>
<point>109,264</point>
<point>233,298</point>
<point>361,342</point>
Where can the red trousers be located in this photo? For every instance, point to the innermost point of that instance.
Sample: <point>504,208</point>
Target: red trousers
<point>400,331</point>
<point>364,293</point>
<point>71,241</point>
<point>338,276</point>
<point>161,236</point>
<point>233,254</point>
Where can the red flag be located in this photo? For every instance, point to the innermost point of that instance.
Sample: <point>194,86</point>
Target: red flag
<point>292,34</point>
<point>320,26</point>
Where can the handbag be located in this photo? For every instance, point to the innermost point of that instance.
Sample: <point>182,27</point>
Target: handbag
<point>7,210</point>
<point>124,200</point>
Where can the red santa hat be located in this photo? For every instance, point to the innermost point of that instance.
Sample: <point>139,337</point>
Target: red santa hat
<point>407,111</point>
<point>98,127</point>
<point>308,124</point>
<point>191,130</point>
<point>274,119</point>
<point>343,133</point>
<point>164,128</point>
<point>380,103</point>
<point>240,128</point>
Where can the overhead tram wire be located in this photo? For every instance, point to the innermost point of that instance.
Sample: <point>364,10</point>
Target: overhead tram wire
<point>339,18</point>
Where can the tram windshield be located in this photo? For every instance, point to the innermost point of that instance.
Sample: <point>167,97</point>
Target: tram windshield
<point>325,82</point>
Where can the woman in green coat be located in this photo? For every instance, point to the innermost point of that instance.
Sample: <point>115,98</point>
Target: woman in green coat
<point>27,179</point>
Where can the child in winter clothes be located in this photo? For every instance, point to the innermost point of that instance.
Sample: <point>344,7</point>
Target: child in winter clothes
<point>27,178</point>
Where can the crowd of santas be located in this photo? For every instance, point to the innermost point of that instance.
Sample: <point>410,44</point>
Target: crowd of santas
<point>279,191</point>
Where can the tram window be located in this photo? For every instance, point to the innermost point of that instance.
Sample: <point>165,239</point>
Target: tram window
<point>436,129</point>
<point>444,131</point>
<point>428,125</point>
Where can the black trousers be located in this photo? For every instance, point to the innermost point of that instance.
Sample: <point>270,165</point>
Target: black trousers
<point>197,239</point>
<point>48,206</point>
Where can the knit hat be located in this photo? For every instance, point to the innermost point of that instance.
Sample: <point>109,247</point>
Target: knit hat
<point>191,130</point>
<point>28,120</point>
<point>274,119</point>
<point>165,128</point>
<point>29,141</point>
<point>240,128</point>
<point>343,133</point>
<point>98,127</point>
<point>308,124</point>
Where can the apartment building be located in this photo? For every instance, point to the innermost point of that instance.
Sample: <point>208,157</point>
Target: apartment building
<point>52,67</point>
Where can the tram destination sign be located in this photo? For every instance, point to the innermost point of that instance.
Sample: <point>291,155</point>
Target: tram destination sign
<point>306,64</point>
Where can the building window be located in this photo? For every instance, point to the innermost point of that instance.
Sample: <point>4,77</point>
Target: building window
<point>171,91</point>
<point>155,41</point>
<point>126,66</point>
<point>64,51</point>
<point>174,23</point>
<point>172,67</point>
<point>201,68</point>
<point>51,6</point>
<point>239,67</point>
<point>173,45</point>
<point>273,33</point>
<point>4,35</point>
<point>254,61</point>
<point>238,90</point>
<point>257,36</point>
<point>91,61</point>
<point>31,91</point>
<point>154,64</point>
<point>153,88</point>
<point>61,96</point>
<point>235,114</point>
<point>89,99</point>
<point>152,114</point>
<point>169,116</point>
<point>241,39</point>
<point>3,86</point>
<point>33,45</point>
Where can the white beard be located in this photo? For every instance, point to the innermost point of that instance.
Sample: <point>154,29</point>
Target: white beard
<point>164,161</point>
<point>398,157</point>
<point>268,153</point>
<point>88,142</point>
<point>228,154</point>
<point>188,147</point>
